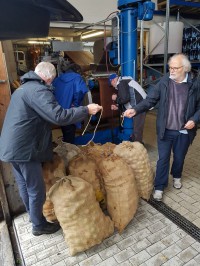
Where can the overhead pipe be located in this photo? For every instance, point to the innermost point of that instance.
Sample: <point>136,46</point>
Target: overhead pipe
<point>166,35</point>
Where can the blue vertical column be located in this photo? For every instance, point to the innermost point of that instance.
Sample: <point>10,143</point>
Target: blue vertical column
<point>128,41</point>
<point>128,56</point>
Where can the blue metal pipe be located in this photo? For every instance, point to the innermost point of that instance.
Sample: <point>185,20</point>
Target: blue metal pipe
<point>128,41</point>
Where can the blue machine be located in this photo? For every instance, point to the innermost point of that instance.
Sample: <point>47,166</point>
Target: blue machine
<point>131,11</point>
<point>123,52</point>
<point>126,132</point>
<point>126,46</point>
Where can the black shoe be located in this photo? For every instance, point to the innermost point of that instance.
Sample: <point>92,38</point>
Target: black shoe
<point>49,228</point>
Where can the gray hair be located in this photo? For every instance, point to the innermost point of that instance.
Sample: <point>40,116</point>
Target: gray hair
<point>185,61</point>
<point>46,69</point>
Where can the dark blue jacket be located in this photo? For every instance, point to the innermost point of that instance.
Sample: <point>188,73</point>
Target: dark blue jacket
<point>26,133</point>
<point>159,94</point>
<point>69,89</point>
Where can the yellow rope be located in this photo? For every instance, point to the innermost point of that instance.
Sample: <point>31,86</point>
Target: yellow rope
<point>122,122</point>
<point>94,129</point>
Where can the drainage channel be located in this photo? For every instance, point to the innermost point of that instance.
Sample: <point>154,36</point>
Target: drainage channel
<point>16,246</point>
<point>176,218</point>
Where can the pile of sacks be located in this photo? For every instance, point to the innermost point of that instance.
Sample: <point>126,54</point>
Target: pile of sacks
<point>91,179</point>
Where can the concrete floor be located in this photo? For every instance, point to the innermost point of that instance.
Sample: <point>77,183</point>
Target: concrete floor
<point>150,239</point>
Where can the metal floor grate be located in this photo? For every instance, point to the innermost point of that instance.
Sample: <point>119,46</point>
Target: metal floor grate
<point>176,218</point>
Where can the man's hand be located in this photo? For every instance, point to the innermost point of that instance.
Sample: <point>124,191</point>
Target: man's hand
<point>114,97</point>
<point>130,113</point>
<point>189,125</point>
<point>94,108</point>
<point>114,107</point>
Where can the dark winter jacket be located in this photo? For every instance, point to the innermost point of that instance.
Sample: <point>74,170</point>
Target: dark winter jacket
<point>69,89</point>
<point>26,134</point>
<point>123,95</point>
<point>129,93</point>
<point>159,94</point>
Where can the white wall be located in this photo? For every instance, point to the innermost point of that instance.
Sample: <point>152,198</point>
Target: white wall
<point>94,10</point>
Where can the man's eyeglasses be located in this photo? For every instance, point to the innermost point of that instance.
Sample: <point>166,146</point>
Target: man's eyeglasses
<point>175,68</point>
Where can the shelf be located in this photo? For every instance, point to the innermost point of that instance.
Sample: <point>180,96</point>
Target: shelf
<point>186,8</point>
<point>159,64</point>
<point>195,64</point>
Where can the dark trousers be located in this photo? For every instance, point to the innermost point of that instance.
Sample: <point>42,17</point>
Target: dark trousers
<point>69,133</point>
<point>178,143</point>
<point>32,190</point>
<point>138,127</point>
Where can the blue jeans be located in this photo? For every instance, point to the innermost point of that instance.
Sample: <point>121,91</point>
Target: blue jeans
<point>32,190</point>
<point>178,143</point>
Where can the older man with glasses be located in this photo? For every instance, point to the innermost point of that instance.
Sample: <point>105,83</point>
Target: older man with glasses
<point>178,95</point>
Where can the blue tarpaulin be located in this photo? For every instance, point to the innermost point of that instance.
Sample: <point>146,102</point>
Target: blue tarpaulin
<point>116,135</point>
<point>101,137</point>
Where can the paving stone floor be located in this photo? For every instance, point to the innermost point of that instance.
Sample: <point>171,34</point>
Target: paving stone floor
<point>150,239</point>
